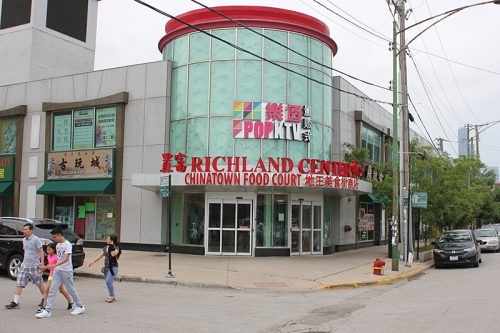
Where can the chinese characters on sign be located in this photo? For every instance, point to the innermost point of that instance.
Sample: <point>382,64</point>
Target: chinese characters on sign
<point>257,120</point>
<point>6,168</point>
<point>80,164</point>
<point>237,171</point>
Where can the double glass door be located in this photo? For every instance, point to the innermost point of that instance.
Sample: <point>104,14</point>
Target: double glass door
<point>306,227</point>
<point>229,227</point>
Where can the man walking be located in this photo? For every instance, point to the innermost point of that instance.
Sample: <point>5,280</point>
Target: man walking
<point>30,268</point>
<point>63,274</point>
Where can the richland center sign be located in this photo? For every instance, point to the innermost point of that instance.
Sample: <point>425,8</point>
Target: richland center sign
<point>238,171</point>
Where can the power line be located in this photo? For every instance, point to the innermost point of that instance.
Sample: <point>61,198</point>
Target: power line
<point>256,55</point>
<point>286,47</point>
<point>423,124</point>
<point>378,35</point>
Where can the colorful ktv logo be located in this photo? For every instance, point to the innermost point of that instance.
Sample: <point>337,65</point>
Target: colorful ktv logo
<point>257,120</point>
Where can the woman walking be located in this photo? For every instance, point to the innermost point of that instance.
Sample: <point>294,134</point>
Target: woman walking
<point>111,253</point>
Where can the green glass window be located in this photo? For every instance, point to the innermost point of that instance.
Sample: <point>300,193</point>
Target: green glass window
<point>249,41</point>
<point>317,141</point>
<point>274,83</point>
<point>197,130</point>
<point>327,101</point>
<point>372,141</point>
<point>249,148</point>
<point>274,148</point>
<point>327,57</point>
<point>221,87</point>
<point>179,89</point>
<point>248,80</point>
<point>272,50</point>
<point>271,220</point>
<point>297,149</point>
<point>199,47</point>
<point>297,85</point>
<point>198,90</point>
<point>316,93</point>
<point>298,43</point>
<point>221,50</point>
<point>180,51</point>
<point>316,53</point>
<point>327,143</point>
<point>221,136</point>
<point>194,213</point>
<point>178,136</point>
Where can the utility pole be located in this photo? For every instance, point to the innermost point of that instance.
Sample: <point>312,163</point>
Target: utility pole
<point>440,144</point>
<point>405,133</point>
<point>395,152</point>
<point>477,141</point>
<point>468,141</point>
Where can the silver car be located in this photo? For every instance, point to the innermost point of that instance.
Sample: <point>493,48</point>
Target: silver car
<point>487,239</point>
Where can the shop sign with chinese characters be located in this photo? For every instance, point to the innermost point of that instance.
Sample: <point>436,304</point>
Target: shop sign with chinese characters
<point>257,120</point>
<point>6,168</point>
<point>281,171</point>
<point>97,163</point>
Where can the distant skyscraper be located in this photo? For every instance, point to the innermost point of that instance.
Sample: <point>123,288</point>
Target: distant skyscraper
<point>462,141</point>
<point>496,170</point>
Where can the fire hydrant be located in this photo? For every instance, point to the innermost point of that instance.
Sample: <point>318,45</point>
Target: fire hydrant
<point>378,266</point>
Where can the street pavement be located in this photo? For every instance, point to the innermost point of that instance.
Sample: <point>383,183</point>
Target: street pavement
<point>348,269</point>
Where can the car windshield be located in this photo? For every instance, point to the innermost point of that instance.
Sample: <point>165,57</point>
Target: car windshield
<point>43,229</point>
<point>485,233</point>
<point>455,237</point>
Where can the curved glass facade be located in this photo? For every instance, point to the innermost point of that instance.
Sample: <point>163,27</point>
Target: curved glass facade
<point>208,76</point>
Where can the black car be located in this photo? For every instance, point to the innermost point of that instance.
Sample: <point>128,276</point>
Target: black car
<point>11,241</point>
<point>457,247</point>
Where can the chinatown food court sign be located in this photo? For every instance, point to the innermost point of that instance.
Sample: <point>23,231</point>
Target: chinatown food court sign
<point>281,171</point>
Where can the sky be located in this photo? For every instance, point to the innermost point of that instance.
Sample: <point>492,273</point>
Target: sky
<point>453,72</point>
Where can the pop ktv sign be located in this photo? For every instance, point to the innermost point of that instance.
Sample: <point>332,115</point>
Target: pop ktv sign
<point>280,171</point>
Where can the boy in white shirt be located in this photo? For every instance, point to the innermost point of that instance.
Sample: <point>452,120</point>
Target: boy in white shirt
<point>63,274</point>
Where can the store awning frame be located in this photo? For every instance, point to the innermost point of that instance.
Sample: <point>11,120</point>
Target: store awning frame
<point>78,187</point>
<point>370,197</point>
<point>6,188</point>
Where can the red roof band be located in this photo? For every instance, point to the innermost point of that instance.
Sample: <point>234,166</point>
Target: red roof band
<point>252,16</point>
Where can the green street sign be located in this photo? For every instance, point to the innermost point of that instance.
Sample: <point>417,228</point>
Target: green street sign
<point>164,186</point>
<point>419,200</point>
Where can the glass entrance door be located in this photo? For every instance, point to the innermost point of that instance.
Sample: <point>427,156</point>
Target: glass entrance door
<point>306,228</point>
<point>229,227</point>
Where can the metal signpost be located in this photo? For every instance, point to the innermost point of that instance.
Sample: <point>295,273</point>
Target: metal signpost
<point>419,200</point>
<point>165,183</point>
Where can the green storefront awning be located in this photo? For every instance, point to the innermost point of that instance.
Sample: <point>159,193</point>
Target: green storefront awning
<point>370,197</point>
<point>78,187</point>
<point>6,188</point>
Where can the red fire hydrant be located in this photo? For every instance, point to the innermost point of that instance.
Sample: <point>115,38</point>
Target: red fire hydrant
<point>378,266</point>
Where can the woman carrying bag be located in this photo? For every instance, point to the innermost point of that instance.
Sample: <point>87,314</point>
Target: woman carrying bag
<point>111,253</point>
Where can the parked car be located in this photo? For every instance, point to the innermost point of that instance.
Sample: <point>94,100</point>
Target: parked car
<point>488,239</point>
<point>11,241</point>
<point>495,226</point>
<point>457,247</point>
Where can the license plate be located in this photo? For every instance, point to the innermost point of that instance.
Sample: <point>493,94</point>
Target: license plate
<point>453,258</point>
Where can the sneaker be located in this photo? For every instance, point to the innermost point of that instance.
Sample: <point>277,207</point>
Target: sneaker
<point>40,309</point>
<point>71,306</point>
<point>12,305</point>
<point>78,310</point>
<point>43,314</point>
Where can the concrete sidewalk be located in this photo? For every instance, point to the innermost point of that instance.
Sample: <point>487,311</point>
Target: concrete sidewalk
<point>301,273</point>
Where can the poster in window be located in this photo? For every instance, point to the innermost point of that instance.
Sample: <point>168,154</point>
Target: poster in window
<point>65,215</point>
<point>105,127</point>
<point>62,132</point>
<point>8,136</point>
<point>83,129</point>
<point>105,224</point>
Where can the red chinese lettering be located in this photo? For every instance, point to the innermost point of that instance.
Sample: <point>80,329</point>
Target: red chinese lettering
<point>180,158</point>
<point>166,165</point>
<point>294,114</point>
<point>309,180</point>
<point>274,111</point>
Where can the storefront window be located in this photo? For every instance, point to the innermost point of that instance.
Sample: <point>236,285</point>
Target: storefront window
<point>271,220</point>
<point>372,141</point>
<point>7,136</point>
<point>84,129</point>
<point>327,221</point>
<point>90,217</point>
<point>194,212</point>
<point>366,224</point>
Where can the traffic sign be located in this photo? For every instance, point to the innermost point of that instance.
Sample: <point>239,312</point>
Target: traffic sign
<point>419,200</point>
<point>164,186</point>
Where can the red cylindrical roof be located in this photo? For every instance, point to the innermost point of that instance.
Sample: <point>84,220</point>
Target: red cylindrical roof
<point>251,16</point>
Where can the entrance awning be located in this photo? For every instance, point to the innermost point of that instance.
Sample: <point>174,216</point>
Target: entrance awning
<point>6,188</point>
<point>78,187</point>
<point>370,197</point>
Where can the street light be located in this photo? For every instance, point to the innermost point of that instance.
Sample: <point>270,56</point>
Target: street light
<point>400,9</point>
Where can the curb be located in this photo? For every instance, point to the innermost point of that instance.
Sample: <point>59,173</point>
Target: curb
<point>383,281</point>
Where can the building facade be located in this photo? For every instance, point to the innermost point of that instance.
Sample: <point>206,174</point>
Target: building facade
<point>234,143</point>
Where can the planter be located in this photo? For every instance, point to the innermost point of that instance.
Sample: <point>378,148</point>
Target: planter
<point>426,256</point>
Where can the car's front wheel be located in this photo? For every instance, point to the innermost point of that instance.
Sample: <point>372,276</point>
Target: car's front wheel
<point>13,265</point>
